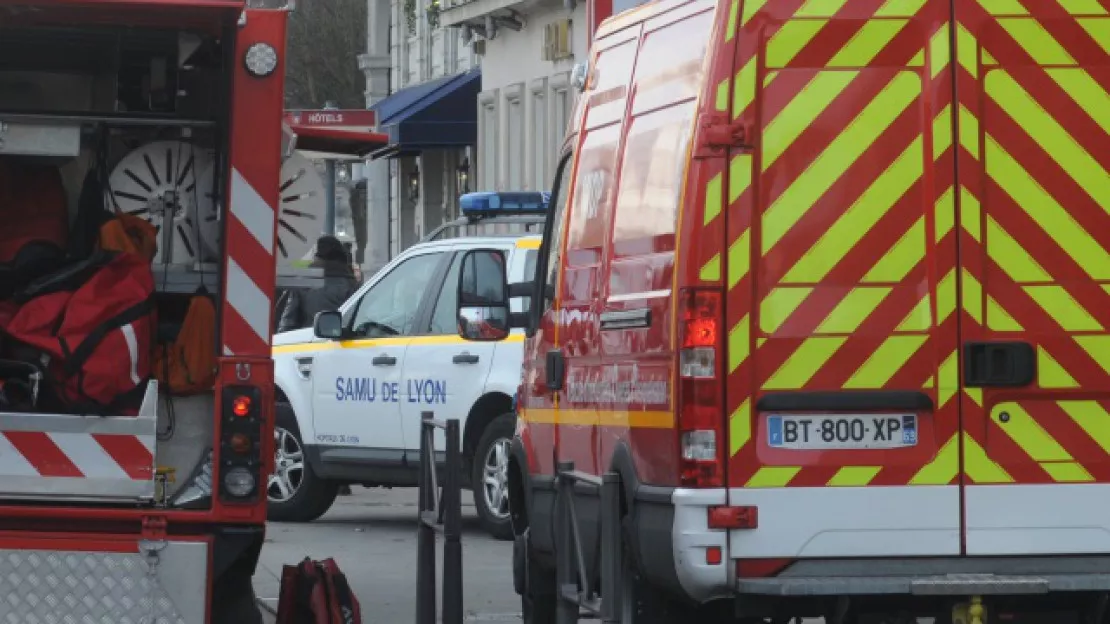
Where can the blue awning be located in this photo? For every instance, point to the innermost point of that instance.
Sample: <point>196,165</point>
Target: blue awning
<point>440,113</point>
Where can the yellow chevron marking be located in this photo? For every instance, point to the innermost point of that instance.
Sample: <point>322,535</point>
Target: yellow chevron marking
<point>1036,41</point>
<point>1050,135</point>
<point>1097,29</point>
<point>1067,472</point>
<point>942,132</point>
<point>778,305</point>
<point>929,383</point>
<point>1003,7</point>
<point>967,51</point>
<point>790,39</point>
<point>949,375</point>
<point>759,342</point>
<point>885,362</point>
<point>853,310</point>
<point>1063,308</point>
<point>902,258</point>
<point>969,132</point>
<point>1082,7</point>
<point>1046,211</point>
<point>854,476</point>
<point>1084,91</point>
<point>1012,256</point>
<point>945,213</point>
<point>1092,418</point>
<point>900,8</point>
<point>944,467</point>
<point>773,476</point>
<point>1024,430</point>
<point>940,50</point>
<point>1050,374</point>
<point>841,154</point>
<point>971,214</point>
<point>739,176</point>
<point>820,8</point>
<point>739,258</point>
<point>714,203</point>
<point>733,15</point>
<point>860,217</point>
<point>711,272</point>
<point>973,296</point>
<point>804,363</point>
<point>739,343</point>
<point>743,87</point>
<point>999,319</point>
<point>979,466</point>
<point>946,296</point>
<point>721,102</point>
<point>751,7</point>
<point>975,394</point>
<point>1098,347</point>
<point>789,124</point>
<point>740,427</point>
<point>868,42</point>
<point>920,318</point>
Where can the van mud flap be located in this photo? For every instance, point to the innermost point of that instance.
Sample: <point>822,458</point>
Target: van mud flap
<point>103,578</point>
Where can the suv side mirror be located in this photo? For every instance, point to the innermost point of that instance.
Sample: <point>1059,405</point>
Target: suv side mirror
<point>328,325</point>
<point>483,301</point>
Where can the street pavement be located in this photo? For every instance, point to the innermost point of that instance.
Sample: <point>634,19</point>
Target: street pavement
<point>372,535</point>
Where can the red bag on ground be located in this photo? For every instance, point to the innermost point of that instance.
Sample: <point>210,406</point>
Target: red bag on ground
<point>95,325</point>
<point>316,592</point>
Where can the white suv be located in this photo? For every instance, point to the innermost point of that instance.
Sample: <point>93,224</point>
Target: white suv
<point>349,410</point>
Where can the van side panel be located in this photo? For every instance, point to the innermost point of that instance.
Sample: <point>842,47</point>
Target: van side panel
<point>842,288</point>
<point>1034,161</point>
<point>638,352</point>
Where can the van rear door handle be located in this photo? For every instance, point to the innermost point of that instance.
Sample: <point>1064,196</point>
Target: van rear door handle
<point>465,358</point>
<point>384,360</point>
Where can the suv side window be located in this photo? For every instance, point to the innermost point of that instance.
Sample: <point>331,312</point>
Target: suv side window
<point>444,320</point>
<point>552,246</point>
<point>389,307</point>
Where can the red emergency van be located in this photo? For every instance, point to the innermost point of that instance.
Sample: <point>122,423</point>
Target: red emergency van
<point>827,282</point>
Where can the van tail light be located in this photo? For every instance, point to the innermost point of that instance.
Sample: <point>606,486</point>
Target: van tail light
<point>701,390</point>
<point>240,444</point>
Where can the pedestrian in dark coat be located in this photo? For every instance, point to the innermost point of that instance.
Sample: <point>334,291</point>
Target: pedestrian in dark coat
<point>301,307</point>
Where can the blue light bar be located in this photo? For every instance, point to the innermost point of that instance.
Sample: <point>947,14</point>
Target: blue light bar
<point>489,204</point>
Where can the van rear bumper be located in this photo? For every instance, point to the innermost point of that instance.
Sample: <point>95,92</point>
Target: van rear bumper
<point>691,537</point>
<point>949,576</point>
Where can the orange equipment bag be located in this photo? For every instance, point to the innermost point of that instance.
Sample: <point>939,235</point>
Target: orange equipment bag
<point>188,364</point>
<point>129,234</point>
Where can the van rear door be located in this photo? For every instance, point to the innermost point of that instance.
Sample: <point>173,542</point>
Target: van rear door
<point>842,387</point>
<point>1033,163</point>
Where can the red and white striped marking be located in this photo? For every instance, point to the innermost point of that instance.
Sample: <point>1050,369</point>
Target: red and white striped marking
<point>78,455</point>
<point>255,155</point>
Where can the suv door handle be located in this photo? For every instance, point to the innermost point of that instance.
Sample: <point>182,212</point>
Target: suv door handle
<point>384,360</point>
<point>465,358</point>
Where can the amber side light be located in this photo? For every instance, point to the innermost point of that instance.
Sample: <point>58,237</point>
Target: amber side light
<point>240,443</point>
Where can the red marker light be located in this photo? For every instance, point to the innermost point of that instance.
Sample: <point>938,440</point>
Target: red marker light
<point>241,406</point>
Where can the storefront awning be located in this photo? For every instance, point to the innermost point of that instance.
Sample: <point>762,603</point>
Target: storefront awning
<point>441,113</point>
<point>326,142</point>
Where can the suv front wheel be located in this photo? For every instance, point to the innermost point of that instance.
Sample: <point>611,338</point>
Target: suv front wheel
<point>490,479</point>
<point>294,491</point>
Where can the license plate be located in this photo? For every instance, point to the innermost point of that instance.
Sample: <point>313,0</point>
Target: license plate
<point>841,431</point>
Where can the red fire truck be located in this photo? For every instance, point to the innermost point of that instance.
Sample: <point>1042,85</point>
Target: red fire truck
<point>169,110</point>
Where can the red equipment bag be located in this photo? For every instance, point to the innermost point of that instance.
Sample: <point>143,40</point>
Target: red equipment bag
<point>316,592</point>
<point>93,323</point>
<point>34,215</point>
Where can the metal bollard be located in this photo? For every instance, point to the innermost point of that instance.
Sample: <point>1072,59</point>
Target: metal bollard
<point>426,538</point>
<point>612,544</point>
<point>452,531</point>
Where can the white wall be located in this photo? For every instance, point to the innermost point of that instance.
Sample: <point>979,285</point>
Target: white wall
<point>524,104</point>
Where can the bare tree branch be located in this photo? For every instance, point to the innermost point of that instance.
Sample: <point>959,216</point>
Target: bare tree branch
<point>324,40</point>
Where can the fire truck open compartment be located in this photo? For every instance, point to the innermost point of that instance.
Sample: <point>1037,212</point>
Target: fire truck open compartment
<point>150,102</point>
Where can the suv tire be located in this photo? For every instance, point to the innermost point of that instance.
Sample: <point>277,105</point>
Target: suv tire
<point>490,476</point>
<point>311,496</point>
